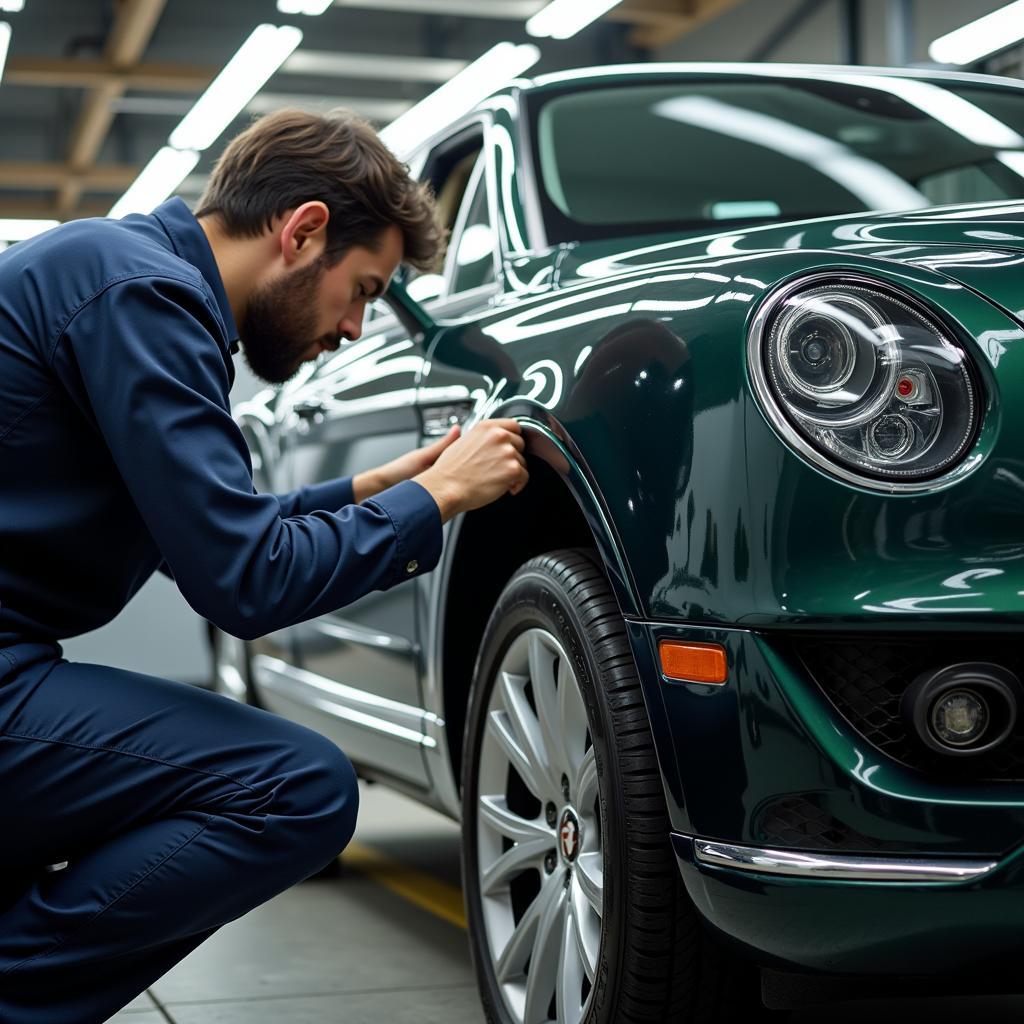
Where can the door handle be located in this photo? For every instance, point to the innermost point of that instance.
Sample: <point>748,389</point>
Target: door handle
<point>439,419</point>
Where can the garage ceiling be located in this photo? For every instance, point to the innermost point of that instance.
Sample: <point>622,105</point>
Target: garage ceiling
<point>92,88</point>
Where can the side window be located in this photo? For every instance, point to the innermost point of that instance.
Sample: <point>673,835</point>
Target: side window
<point>476,239</point>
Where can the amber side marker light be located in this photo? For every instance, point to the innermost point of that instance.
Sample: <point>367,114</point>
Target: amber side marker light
<point>693,663</point>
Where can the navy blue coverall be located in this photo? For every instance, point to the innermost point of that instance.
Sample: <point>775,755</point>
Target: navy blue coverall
<point>177,809</point>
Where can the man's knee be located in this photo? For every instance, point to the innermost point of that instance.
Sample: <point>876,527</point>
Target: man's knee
<point>325,792</point>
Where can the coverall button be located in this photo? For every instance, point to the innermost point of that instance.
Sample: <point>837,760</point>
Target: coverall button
<point>412,566</point>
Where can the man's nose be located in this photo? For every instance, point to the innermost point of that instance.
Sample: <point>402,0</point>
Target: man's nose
<point>351,328</point>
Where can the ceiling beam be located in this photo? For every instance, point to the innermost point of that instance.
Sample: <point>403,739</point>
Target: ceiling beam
<point>660,22</point>
<point>87,74</point>
<point>26,209</point>
<point>133,27</point>
<point>45,176</point>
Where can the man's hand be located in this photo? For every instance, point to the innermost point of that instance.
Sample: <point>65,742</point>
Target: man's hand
<point>478,468</point>
<point>405,467</point>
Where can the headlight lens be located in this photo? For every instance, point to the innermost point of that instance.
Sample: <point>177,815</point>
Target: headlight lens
<point>868,381</point>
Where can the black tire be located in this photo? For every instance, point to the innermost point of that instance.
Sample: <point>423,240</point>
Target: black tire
<point>657,962</point>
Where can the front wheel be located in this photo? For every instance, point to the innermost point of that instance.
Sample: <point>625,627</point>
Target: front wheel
<point>575,905</point>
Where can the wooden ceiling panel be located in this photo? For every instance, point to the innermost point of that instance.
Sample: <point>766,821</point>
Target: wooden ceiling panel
<point>660,22</point>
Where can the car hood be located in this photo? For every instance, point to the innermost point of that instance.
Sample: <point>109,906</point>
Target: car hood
<point>981,245</point>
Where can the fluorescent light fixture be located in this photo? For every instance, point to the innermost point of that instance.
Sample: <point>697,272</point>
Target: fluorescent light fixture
<point>5,42</point>
<point>562,19</point>
<point>18,230</point>
<point>303,6</point>
<point>159,178</point>
<point>243,76</point>
<point>872,183</point>
<point>494,69</point>
<point>977,39</point>
<point>12,6</point>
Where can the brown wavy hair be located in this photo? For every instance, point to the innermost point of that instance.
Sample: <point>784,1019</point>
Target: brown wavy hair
<point>291,157</point>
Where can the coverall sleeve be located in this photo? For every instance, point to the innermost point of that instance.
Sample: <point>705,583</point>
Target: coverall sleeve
<point>145,358</point>
<point>331,495</point>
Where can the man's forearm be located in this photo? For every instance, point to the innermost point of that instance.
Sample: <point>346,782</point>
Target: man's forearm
<point>366,485</point>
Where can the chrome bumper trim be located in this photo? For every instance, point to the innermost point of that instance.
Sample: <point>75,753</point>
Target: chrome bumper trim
<point>843,867</point>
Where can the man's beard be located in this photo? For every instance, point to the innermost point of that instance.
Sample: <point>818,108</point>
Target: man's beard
<point>279,324</point>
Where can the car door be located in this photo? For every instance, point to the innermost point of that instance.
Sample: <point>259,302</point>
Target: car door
<point>355,672</point>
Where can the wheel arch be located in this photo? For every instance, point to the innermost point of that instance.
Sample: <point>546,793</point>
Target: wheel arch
<point>560,508</point>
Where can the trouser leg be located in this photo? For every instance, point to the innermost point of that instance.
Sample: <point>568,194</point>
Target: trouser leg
<point>177,809</point>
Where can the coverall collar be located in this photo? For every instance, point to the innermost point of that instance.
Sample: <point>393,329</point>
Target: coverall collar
<point>190,243</point>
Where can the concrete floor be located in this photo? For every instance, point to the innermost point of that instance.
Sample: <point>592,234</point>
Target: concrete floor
<point>385,941</point>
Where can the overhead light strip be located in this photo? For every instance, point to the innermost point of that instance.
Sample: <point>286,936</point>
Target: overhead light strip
<point>19,229</point>
<point>562,19</point>
<point>243,76</point>
<point>311,7</point>
<point>977,39</point>
<point>498,66</point>
<point>159,178</point>
<point>266,49</point>
<point>5,42</point>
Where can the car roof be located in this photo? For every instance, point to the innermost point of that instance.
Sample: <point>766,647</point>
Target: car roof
<point>844,72</point>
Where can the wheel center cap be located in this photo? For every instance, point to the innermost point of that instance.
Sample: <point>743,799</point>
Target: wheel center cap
<point>569,836</point>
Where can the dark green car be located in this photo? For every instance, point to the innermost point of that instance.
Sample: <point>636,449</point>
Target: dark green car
<point>731,692</point>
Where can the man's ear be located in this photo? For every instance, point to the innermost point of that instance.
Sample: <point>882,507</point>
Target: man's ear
<point>303,235</point>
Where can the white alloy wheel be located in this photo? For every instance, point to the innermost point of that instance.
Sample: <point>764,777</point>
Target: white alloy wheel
<point>544,955</point>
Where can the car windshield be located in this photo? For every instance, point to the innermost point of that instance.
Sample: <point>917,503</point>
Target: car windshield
<point>711,153</point>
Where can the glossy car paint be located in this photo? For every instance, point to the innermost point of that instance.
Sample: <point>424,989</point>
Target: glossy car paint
<point>626,361</point>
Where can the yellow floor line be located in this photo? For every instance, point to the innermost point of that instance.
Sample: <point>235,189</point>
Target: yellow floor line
<point>431,894</point>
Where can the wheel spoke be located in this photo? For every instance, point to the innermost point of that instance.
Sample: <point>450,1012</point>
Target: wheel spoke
<point>572,716</point>
<point>586,929</point>
<point>569,984</point>
<point>529,735</point>
<point>586,792</point>
<point>589,874</point>
<point>545,695</point>
<point>511,962</point>
<point>499,723</point>
<point>532,841</point>
<point>494,811</point>
<point>543,977</point>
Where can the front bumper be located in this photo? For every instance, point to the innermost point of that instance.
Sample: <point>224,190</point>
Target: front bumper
<point>858,927</point>
<point>933,864</point>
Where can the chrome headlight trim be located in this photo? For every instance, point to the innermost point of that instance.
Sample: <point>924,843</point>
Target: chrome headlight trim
<point>771,407</point>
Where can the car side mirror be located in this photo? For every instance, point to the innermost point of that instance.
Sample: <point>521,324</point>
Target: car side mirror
<point>408,294</point>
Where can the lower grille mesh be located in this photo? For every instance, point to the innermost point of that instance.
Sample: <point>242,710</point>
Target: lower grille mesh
<point>865,678</point>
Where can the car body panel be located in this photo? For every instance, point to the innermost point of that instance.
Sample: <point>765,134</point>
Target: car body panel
<point>720,519</point>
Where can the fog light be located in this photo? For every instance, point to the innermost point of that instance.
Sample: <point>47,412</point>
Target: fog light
<point>959,717</point>
<point>963,710</point>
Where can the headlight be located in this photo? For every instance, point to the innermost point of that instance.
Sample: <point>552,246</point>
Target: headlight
<point>864,384</point>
